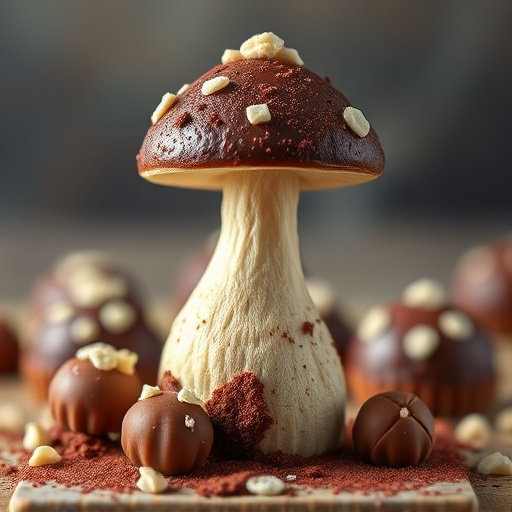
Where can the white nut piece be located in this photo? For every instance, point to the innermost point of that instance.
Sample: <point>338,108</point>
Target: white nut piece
<point>186,396</point>
<point>495,464</point>
<point>356,121</point>
<point>151,481</point>
<point>126,361</point>
<point>424,293</point>
<point>35,436</point>
<point>474,430</point>
<point>265,485</point>
<point>231,56</point>
<point>374,323</point>
<point>182,89</point>
<point>289,55</point>
<point>117,316</point>
<point>44,455</point>
<point>265,45</point>
<point>420,342</point>
<point>149,391</point>
<point>258,113</point>
<point>165,104</point>
<point>214,84</point>
<point>83,330</point>
<point>101,355</point>
<point>456,325</point>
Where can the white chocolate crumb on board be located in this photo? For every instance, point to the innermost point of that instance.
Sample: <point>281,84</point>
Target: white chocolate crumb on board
<point>495,464</point>
<point>214,84</point>
<point>83,330</point>
<point>186,396</point>
<point>456,325</point>
<point>165,104</point>
<point>258,114</point>
<point>356,121</point>
<point>474,430</point>
<point>420,342</point>
<point>424,293</point>
<point>105,357</point>
<point>35,436</point>
<point>151,481</point>
<point>117,316</point>
<point>190,422</point>
<point>149,391</point>
<point>265,485</point>
<point>43,456</point>
<point>374,323</point>
<point>265,45</point>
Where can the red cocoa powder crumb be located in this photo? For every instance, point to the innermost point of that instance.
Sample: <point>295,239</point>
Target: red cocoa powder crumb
<point>307,328</point>
<point>240,416</point>
<point>169,383</point>
<point>339,470</point>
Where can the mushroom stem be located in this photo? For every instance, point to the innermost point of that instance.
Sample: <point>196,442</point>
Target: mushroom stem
<point>251,312</point>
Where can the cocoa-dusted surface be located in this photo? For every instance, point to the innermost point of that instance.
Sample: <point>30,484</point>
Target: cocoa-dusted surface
<point>83,398</point>
<point>458,379</point>
<point>155,434</point>
<point>394,429</point>
<point>307,129</point>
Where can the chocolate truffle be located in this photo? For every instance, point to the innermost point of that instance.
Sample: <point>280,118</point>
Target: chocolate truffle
<point>482,285</point>
<point>91,392</point>
<point>393,429</point>
<point>166,434</point>
<point>426,346</point>
<point>9,347</point>
<point>85,298</point>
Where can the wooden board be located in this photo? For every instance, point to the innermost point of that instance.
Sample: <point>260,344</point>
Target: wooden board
<point>456,497</point>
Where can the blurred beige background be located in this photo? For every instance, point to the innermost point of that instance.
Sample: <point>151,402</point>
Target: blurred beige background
<point>79,80</point>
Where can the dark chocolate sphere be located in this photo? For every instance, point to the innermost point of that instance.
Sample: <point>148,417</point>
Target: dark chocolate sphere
<point>83,398</point>
<point>394,429</point>
<point>167,435</point>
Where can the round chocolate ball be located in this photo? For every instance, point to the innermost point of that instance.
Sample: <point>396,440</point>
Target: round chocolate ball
<point>9,347</point>
<point>83,398</point>
<point>393,429</point>
<point>167,435</point>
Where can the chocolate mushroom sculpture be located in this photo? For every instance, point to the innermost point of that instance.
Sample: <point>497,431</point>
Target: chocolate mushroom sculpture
<point>249,342</point>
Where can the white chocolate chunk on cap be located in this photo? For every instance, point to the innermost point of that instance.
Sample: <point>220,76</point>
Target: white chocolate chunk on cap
<point>424,293</point>
<point>374,323</point>
<point>356,121</point>
<point>495,464</point>
<point>289,55</point>
<point>231,56</point>
<point>258,113</point>
<point>214,84</point>
<point>105,357</point>
<point>265,485</point>
<point>165,104</point>
<point>420,342</point>
<point>186,396</point>
<point>149,391</point>
<point>456,325</point>
<point>151,481</point>
<point>265,45</point>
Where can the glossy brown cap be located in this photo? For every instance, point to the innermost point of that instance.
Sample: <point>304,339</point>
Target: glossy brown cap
<point>202,137</point>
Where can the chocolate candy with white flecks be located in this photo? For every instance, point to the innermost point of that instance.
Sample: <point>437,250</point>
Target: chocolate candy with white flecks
<point>482,285</point>
<point>426,346</point>
<point>86,297</point>
<point>9,347</point>
<point>166,432</point>
<point>92,391</point>
<point>395,429</point>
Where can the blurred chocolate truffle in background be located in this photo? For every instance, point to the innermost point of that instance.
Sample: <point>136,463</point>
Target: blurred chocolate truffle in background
<point>87,297</point>
<point>167,431</point>
<point>91,392</point>
<point>426,346</point>
<point>322,293</point>
<point>482,285</point>
<point>9,347</point>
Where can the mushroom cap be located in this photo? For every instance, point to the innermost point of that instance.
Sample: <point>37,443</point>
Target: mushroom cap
<point>202,137</point>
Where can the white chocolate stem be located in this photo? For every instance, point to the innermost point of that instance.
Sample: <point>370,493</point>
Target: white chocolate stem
<point>251,312</point>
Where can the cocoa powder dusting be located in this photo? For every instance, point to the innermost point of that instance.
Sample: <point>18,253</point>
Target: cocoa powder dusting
<point>307,328</point>
<point>103,465</point>
<point>169,382</point>
<point>240,416</point>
